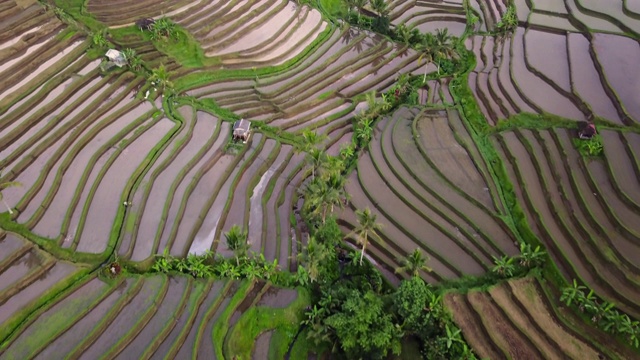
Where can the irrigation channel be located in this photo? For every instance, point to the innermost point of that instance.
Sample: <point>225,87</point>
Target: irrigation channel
<point>124,166</point>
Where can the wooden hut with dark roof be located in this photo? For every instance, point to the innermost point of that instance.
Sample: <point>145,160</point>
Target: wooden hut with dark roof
<point>587,131</point>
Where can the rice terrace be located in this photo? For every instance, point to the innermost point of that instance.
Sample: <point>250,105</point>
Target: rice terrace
<point>320,179</point>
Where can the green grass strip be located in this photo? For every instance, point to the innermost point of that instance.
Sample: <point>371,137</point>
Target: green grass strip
<point>221,326</point>
<point>259,319</point>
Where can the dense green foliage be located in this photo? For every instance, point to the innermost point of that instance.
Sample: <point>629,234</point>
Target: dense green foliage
<point>602,313</point>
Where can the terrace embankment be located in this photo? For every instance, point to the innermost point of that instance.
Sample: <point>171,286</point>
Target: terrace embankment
<point>517,319</point>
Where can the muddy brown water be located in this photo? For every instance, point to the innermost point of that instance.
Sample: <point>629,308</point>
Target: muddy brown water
<point>618,56</point>
<point>205,230</point>
<point>187,349</point>
<point>34,290</point>
<point>9,243</point>
<point>425,205</point>
<point>107,198</point>
<point>22,347</point>
<point>206,348</point>
<point>586,80</point>
<point>69,178</point>
<point>553,61</point>
<point>19,268</point>
<point>261,346</point>
<point>621,165</point>
<point>583,258</point>
<point>177,324</point>
<point>395,143</point>
<point>238,195</point>
<point>408,220</point>
<point>247,302</point>
<point>167,312</point>
<point>256,210</point>
<point>533,87</point>
<point>390,231</point>
<point>154,199</point>
<point>185,187</point>
<point>278,297</point>
<point>162,195</point>
<point>128,317</point>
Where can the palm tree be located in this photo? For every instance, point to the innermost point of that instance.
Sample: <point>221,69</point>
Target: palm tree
<point>314,257</point>
<point>367,226</point>
<point>237,242</point>
<point>403,33</point>
<point>315,158</point>
<point>160,77</point>
<point>331,167</point>
<point>379,6</point>
<point>6,185</point>
<point>359,4</point>
<point>414,262</point>
<point>311,139</point>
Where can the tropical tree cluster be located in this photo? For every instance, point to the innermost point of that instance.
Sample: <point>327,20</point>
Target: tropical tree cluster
<point>602,313</point>
<point>510,266</point>
<point>370,14</point>
<point>357,316</point>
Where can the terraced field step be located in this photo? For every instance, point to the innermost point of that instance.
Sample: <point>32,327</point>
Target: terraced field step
<point>159,315</point>
<point>586,226</point>
<point>523,323</point>
<point>421,159</point>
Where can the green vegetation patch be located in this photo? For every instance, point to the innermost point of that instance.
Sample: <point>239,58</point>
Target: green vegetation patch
<point>259,319</point>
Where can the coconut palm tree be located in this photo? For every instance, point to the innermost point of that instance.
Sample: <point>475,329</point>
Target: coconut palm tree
<point>414,262</point>
<point>380,6</point>
<point>161,77</point>
<point>315,158</point>
<point>311,139</point>
<point>332,166</point>
<point>367,226</point>
<point>6,185</point>
<point>237,242</point>
<point>314,256</point>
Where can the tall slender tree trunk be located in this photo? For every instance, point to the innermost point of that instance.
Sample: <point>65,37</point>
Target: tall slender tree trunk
<point>364,246</point>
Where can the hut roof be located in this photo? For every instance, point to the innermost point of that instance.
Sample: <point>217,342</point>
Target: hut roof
<point>241,125</point>
<point>145,23</point>
<point>117,57</point>
<point>587,130</point>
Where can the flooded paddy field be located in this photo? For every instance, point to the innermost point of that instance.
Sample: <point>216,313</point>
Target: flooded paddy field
<point>107,165</point>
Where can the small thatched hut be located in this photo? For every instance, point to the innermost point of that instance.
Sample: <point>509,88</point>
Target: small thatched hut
<point>242,130</point>
<point>145,24</point>
<point>116,57</point>
<point>587,131</point>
